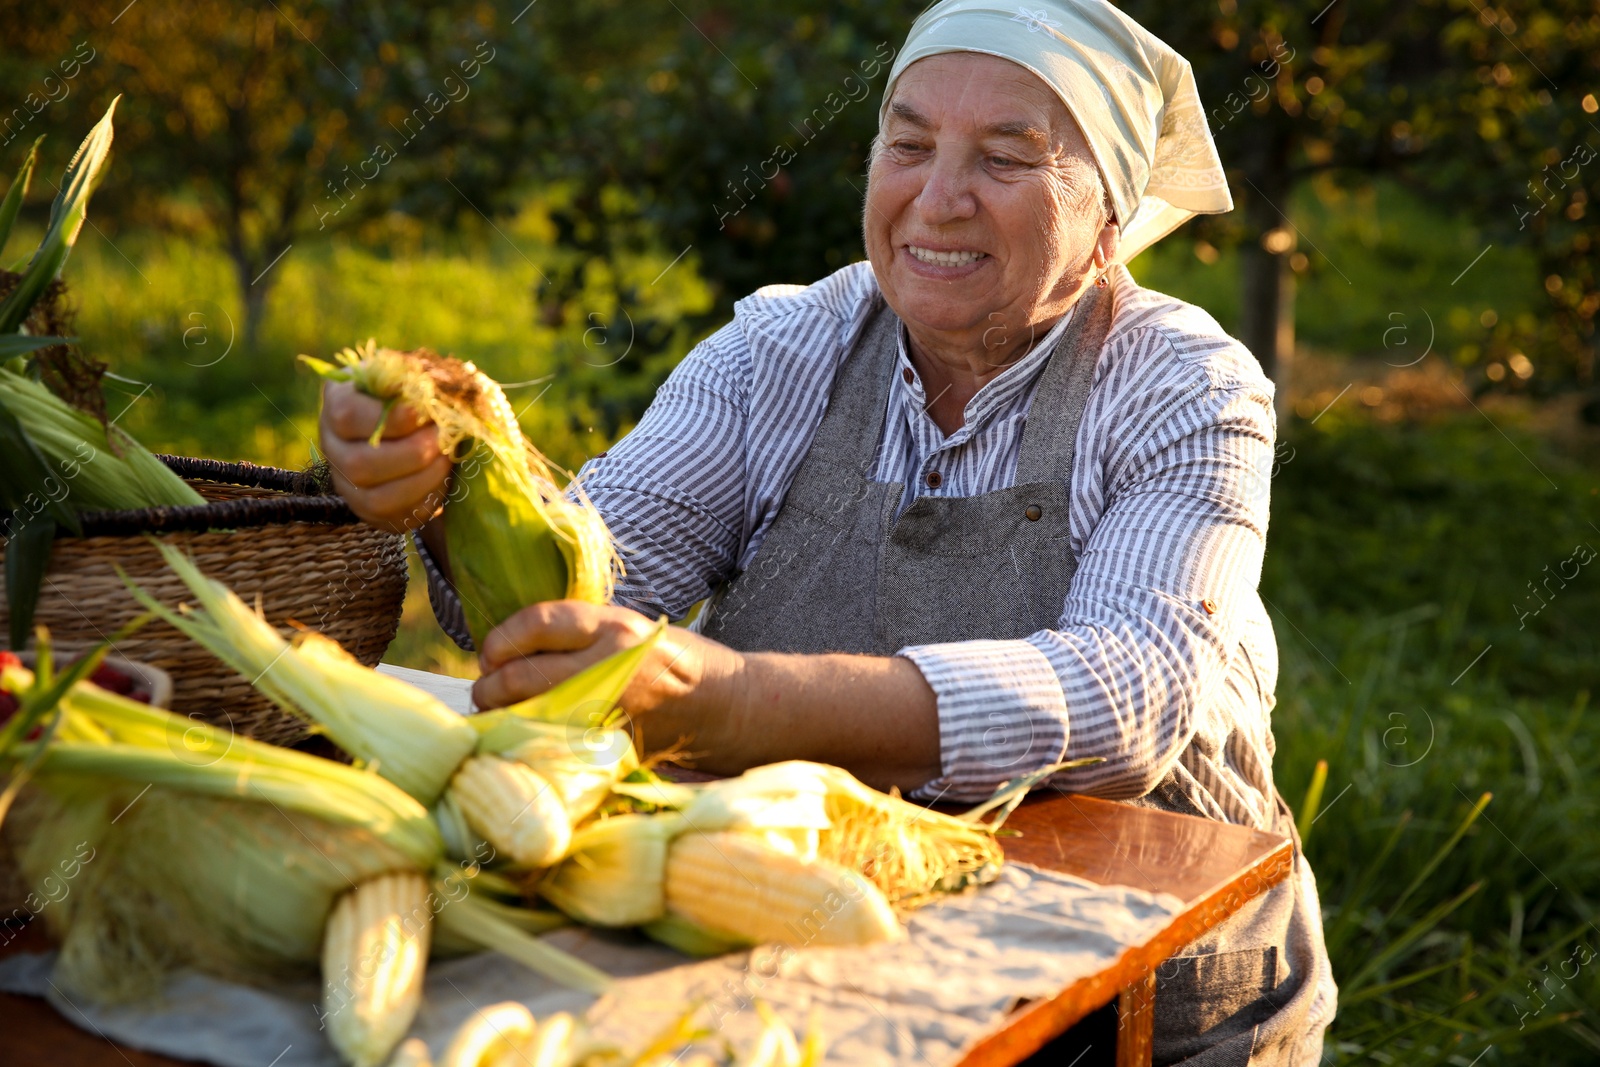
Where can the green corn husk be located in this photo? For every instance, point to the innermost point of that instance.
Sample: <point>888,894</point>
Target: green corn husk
<point>152,747</point>
<point>468,917</point>
<point>614,873</point>
<point>233,888</point>
<point>100,467</point>
<point>209,850</point>
<point>569,735</point>
<point>405,734</point>
<point>212,851</point>
<point>690,938</point>
<point>17,190</point>
<point>67,214</point>
<point>512,537</point>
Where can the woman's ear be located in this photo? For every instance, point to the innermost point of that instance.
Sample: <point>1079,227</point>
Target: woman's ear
<point>1105,248</point>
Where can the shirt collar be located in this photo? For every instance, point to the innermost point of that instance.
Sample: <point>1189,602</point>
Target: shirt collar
<point>1001,390</point>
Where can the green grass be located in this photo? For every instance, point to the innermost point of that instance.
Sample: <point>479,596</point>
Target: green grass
<point>1396,556</point>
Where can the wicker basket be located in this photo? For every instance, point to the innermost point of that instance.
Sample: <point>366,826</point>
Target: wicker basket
<point>278,538</point>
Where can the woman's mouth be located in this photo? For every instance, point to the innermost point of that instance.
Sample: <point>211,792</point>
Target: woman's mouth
<point>944,259</point>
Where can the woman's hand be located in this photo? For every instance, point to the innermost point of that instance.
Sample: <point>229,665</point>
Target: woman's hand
<point>396,485</point>
<point>873,715</point>
<point>687,688</point>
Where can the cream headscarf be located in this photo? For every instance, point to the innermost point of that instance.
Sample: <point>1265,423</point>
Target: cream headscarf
<point>1133,96</point>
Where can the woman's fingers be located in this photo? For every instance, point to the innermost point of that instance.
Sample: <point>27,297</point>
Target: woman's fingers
<point>398,505</point>
<point>352,415</point>
<point>396,484</point>
<point>368,466</point>
<point>553,626</point>
<point>529,676</point>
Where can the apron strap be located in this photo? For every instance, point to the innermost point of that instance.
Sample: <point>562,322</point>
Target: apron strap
<point>1049,440</point>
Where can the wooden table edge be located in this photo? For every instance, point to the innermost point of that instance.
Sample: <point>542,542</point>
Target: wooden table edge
<point>1030,1028</point>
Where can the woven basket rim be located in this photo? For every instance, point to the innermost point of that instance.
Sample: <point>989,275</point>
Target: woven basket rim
<point>296,497</point>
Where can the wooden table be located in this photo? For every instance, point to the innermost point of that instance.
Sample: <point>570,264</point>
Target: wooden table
<point>1212,867</point>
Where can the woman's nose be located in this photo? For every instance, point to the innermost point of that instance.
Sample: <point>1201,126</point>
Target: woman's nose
<point>948,194</point>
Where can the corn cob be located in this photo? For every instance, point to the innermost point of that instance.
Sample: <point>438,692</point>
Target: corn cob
<point>373,953</point>
<point>513,538</point>
<point>909,852</point>
<point>99,466</point>
<point>514,809</point>
<point>231,856</point>
<point>491,1034</point>
<point>737,883</point>
<point>413,1052</point>
<point>552,1044</point>
<point>615,872</point>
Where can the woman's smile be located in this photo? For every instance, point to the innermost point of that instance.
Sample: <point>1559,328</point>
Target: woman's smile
<point>944,264</point>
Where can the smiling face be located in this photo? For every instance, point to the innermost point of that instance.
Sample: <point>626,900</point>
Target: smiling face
<point>983,206</point>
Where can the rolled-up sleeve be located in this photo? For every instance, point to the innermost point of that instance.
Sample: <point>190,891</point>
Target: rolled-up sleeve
<point>1172,491</point>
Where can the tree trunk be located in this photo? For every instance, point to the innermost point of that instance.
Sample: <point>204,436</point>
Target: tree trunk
<point>1267,313</point>
<point>1266,316</point>
<point>255,310</point>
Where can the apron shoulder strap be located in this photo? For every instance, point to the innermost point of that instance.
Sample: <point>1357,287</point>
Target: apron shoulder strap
<point>1049,440</point>
<point>857,404</point>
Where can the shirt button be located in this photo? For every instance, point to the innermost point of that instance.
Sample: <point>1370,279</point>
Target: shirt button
<point>1033,512</point>
<point>935,479</point>
<point>1210,606</point>
<point>908,376</point>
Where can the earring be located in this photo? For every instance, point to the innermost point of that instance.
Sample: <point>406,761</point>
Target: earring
<point>1100,282</point>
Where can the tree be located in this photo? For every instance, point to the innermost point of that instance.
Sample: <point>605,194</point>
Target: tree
<point>1452,98</point>
<point>712,125</point>
<point>278,120</point>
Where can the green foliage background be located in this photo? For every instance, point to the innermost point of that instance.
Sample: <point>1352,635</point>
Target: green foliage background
<point>569,225</point>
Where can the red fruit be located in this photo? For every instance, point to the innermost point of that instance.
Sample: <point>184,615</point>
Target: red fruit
<point>9,659</point>
<point>116,681</point>
<point>141,696</point>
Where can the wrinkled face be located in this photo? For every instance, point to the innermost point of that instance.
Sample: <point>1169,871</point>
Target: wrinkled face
<point>983,204</point>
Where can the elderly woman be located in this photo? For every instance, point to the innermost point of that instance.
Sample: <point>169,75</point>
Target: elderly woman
<point>976,506</point>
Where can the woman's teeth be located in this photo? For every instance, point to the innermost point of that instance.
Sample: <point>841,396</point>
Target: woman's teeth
<point>945,259</point>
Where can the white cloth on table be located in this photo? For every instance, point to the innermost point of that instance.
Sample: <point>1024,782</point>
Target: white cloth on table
<point>967,961</point>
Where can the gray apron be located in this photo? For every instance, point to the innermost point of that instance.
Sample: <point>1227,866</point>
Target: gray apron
<point>838,572</point>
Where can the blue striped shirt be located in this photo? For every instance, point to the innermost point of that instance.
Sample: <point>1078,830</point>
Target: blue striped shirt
<point>1163,661</point>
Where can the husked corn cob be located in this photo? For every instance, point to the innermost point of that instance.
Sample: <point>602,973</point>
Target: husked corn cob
<point>738,883</point>
<point>514,808</point>
<point>489,1035</point>
<point>374,950</point>
<point>552,1045</point>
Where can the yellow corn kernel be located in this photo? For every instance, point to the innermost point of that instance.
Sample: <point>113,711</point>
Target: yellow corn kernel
<point>374,949</point>
<point>513,808</point>
<point>737,883</point>
<point>498,1030</point>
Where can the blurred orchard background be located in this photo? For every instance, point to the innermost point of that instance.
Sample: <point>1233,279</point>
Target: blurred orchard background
<point>573,194</point>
